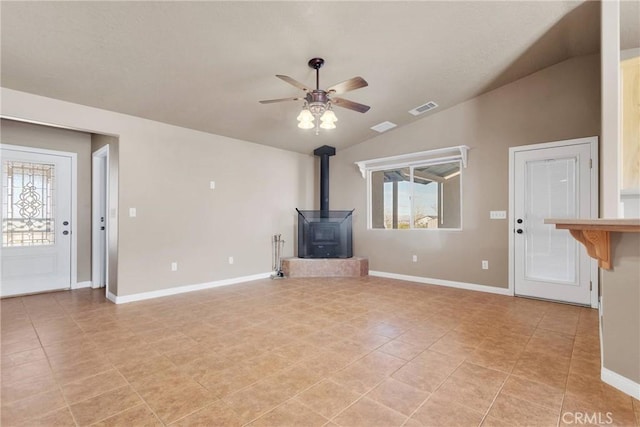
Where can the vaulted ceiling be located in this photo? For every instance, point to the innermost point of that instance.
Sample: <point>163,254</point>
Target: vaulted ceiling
<point>205,65</point>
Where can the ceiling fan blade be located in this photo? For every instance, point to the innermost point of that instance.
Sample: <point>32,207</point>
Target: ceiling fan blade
<point>347,85</point>
<point>345,103</point>
<point>293,82</point>
<point>271,101</point>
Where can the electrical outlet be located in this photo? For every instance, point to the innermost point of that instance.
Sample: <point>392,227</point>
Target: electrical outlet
<point>230,260</point>
<point>174,266</point>
<point>132,212</point>
<point>415,258</point>
<point>485,264</point>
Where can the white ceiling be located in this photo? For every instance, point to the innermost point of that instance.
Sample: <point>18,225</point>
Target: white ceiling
<point>205,65</point>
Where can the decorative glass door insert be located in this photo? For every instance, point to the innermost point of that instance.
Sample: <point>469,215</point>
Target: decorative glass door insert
<point>28,204</point>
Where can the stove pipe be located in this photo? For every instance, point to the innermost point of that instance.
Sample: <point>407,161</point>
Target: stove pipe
<point>324,153</point>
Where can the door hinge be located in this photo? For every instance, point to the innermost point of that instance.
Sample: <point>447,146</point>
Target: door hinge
<point>590,163</point>
<point>590,285</point>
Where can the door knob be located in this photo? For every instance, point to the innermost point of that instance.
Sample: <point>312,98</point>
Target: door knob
<point>102,228</point>
<point>519,231</point>
<point>65,222</point>
<point>65,232</point>
<point>519,220</point>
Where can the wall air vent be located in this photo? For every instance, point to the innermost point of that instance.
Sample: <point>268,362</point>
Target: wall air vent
<point>384,126</point>
<point>423,108</point>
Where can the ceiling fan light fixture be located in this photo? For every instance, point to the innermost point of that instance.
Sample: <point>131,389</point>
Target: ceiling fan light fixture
<point>317,110</point>
<point>305,115</point>
<point>328,125</point>
<point>329,116</point>
<point>305,124</point>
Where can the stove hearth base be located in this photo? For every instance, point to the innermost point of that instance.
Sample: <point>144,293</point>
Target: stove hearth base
<point>325,267</point>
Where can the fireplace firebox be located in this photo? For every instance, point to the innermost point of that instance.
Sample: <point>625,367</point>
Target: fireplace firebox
<point>324,234</point>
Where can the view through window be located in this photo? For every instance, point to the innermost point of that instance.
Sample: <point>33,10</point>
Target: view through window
<point>417,197</point>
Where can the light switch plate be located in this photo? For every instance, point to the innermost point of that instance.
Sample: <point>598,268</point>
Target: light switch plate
<point>132,212</point>
<point>498,215</point>
<point>212,185</point>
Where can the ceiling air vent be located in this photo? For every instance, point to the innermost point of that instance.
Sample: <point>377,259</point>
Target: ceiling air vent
<point>424,108</point>
<point>384,126</point>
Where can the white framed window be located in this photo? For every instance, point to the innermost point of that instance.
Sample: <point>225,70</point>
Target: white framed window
<point>416,191</point>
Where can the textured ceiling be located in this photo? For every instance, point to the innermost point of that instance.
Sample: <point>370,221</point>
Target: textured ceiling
<point>205,65</point>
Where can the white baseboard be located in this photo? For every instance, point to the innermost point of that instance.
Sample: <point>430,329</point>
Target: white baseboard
<point>111,297</point>
<point>183,289</point>
<point>80,285</point>
<point>441,282</point>
<point>623,384</point>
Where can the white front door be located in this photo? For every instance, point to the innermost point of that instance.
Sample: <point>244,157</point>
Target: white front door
<point>552,181</point>
<point>36,222</point>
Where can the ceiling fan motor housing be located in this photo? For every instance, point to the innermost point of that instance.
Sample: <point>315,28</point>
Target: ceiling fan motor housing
<point>317,101</point>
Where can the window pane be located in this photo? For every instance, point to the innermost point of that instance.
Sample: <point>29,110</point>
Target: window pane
<point>27,205</point>
<point>430,200</point>
<point>551,193</point>
<point>436,190</point>
<point>391,198</point>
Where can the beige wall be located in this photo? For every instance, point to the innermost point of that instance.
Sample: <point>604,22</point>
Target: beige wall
<point>164,172</point>
<point>30,135</point>
<point>621,307</point>
<point>560,102</point>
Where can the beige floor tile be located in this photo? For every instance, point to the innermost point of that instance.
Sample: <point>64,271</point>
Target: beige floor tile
<point>358,377</point>
<point>58,418</point>
<point>26,388</point>
<point>216,414</point>
<point>540,394</point>
<point>138,416</point>
<point>543,367</point>
<point>317,344</point>
<point>522,413</point>
<point>92,386</point>
<point>601,399</point>
<point>104,405</point>
<point>36,406</point>
<point>442,412</point>
<point>27,356</point>
<point>25,371</point>
<point>401,349</point>
<point>227,381</point>
<point>472,386</point>
<point>428,370</point>
<point>366,412</point>
<point>136,371</point>
<point>292,380</point>
<point>290,413</point>
<point>174,398</point>
<point>398,396</point>
<point>255,401</point>
<point>328,398</point>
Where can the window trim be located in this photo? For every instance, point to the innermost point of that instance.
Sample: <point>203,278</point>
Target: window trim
<point>412,160</point>
<point>423,158</point>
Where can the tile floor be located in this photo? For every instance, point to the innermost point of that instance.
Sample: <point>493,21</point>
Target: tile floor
<point>304,352</point>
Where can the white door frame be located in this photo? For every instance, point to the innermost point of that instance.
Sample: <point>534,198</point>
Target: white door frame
<point>74,200</point>
<point>593,142</point>
<point>99,181</point>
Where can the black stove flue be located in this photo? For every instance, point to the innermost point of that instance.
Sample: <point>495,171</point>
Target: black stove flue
<point>324,153</point>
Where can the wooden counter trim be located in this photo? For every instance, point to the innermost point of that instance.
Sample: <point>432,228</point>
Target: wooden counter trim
<point>594,234</point>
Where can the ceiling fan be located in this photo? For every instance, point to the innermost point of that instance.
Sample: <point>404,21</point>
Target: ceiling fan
<point>318,103</point>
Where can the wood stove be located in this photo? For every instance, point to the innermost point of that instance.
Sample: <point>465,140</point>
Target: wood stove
<point>324,233</point>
